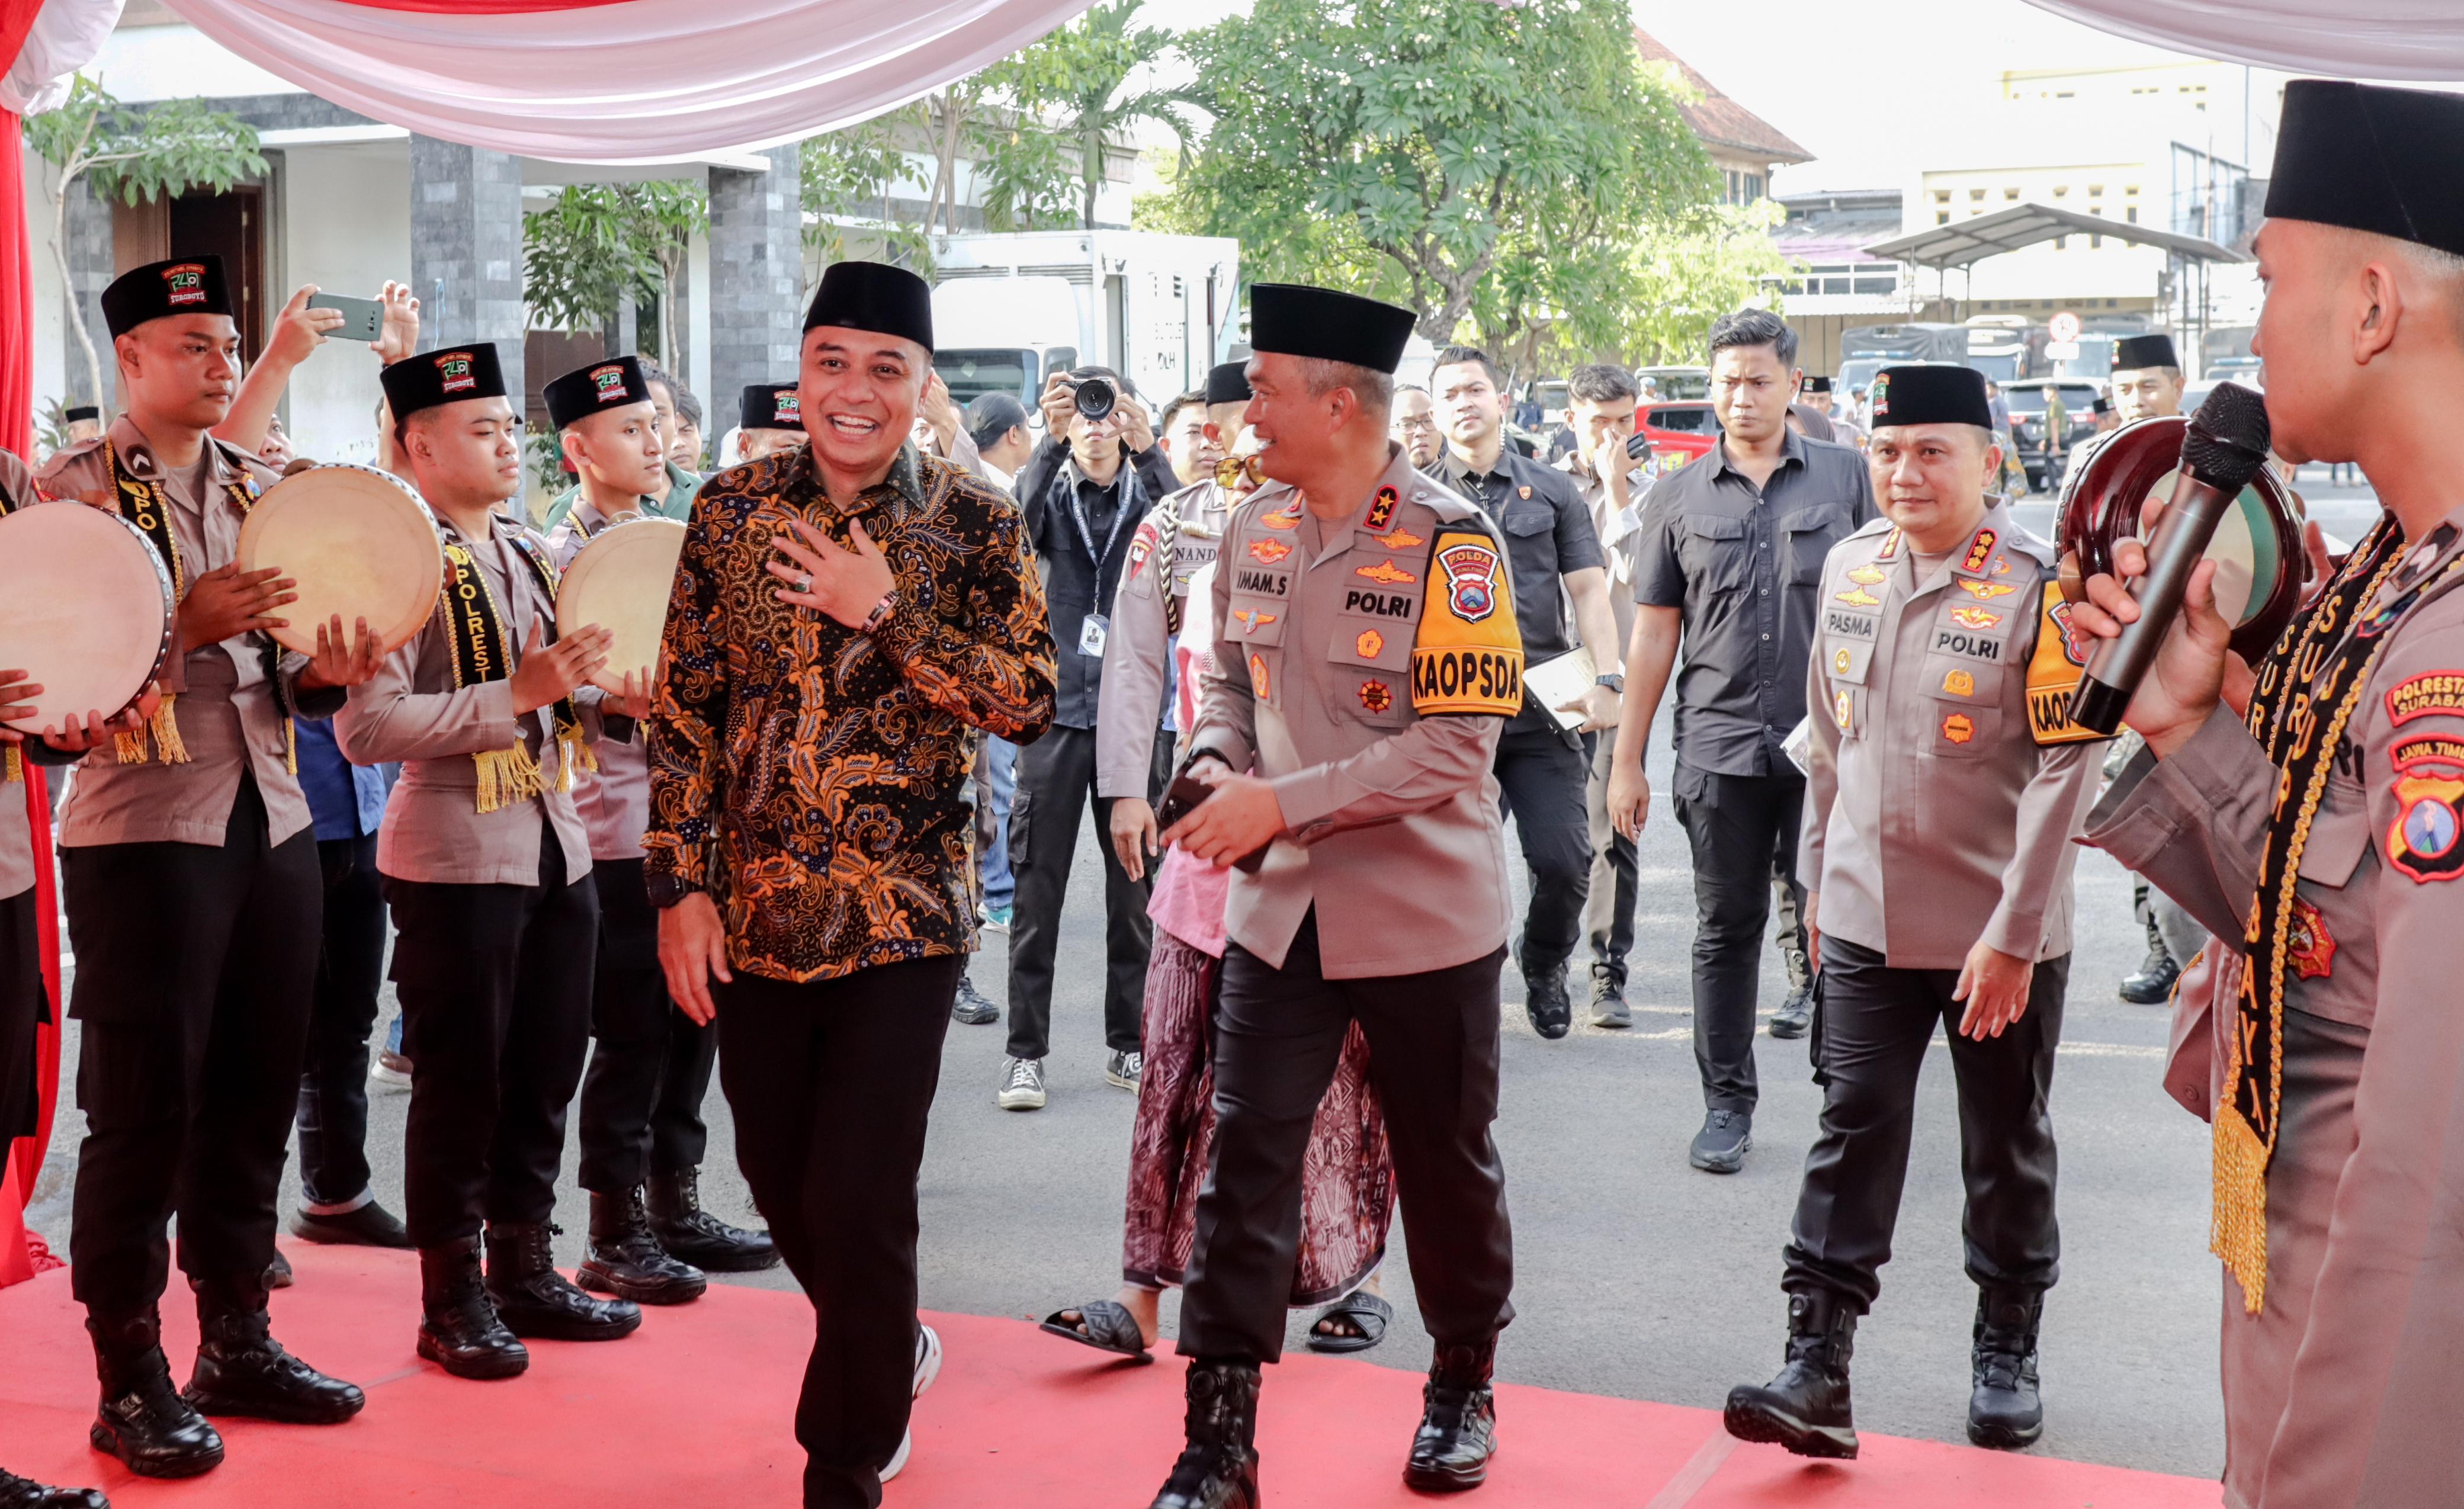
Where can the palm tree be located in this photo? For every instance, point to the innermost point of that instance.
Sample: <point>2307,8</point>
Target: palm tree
<point>1080,77</point>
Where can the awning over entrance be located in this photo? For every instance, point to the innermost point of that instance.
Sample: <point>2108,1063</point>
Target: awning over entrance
<point>1967,242</point>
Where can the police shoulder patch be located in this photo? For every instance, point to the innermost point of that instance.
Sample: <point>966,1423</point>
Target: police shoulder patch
<point>2054,674</point>
<point>1467,655</point>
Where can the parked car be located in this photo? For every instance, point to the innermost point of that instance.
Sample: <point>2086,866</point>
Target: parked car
<point>2027,401</point>
<point>1675,383</point>
<point>1679,432</point>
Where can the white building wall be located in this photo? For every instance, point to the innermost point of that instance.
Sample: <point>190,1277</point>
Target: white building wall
<point>346,227</point>
<point>52,341</point>
<point>178,63</point>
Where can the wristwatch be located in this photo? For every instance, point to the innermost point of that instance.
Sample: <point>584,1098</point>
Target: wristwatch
<point>1615,680</point>
<point>665,889</point>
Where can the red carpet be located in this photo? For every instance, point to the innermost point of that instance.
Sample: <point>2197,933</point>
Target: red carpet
<point>695,1410</point>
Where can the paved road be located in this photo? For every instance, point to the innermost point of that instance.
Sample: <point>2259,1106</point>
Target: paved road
<point>1635,1276</point>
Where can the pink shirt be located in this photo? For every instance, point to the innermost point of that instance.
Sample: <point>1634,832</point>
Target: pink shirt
<point>1189,892</point>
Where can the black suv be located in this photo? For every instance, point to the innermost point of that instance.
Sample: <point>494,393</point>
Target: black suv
<point>2027,400</point>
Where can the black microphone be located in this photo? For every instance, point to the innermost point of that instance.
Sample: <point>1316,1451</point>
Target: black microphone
<point>2221,452</point>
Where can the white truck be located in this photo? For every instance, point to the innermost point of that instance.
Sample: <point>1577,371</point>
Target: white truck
<point>1010,309</point>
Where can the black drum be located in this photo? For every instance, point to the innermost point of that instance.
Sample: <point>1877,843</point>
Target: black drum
<point>2257,548</point>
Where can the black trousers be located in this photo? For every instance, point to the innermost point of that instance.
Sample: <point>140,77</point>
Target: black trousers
<point>1433,1054</point>
<point>832,1082</point>
<point>1056,782</point>
<point>1608,912</point>
<point>1871,1038</point>
<point>1743,831</point>
<point>1541,782</point>
<point>641,1099</point>
<point>24,1006</point>
<point>333,1112</point>
<point>494,982</point>
<point>195,970</point>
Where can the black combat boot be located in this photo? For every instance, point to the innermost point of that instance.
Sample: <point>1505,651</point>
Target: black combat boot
<point>459,1330</point>
<point>534,1299</point>
<point>24,1493</point>
<point>1457,1431</point>
<point>142,1419</point>
<point>1547,997</point>
<point>1805,1409</point>
<point>628,1262</point>
<point>1219,1468</point>
<point>242,1371</point>
<point>2005,1411</point>
<point>692,1235</point>
<point>2153,984</point>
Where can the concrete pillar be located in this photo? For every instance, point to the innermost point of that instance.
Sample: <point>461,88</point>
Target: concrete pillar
<point>466,250</point>
<point>756,278</point>
<point>91,269</point>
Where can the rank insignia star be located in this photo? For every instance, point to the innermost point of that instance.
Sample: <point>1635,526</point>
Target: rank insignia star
<point>1386,572</point>
<point>1975,618</point>
<point>1985,591</point>
<point>1857,597</point>
<point>1381,512</point>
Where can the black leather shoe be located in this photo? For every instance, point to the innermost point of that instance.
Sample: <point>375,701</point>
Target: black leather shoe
<point>1457,1431</point>
<point>971,1007</point>
<point>628,1262</point>
<point>692,1235</point>
<point>2153,984</point>
<point>1722,1145</point>
<point>1794,1014</point>
<point>1219,1468</point>
<point>459,1330</point>
<point>1806,1408</point>
<point>535,1299</point>
<point>371,1225</point>
<point>1547,1000</point>
<point>24,1493</point>
<point>1608,1003</point>
<point>142,1419</point>
<point>242,1371</point>
<point>2005,1409</point>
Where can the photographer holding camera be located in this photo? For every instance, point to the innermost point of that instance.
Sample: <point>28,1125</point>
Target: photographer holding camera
<point>1082,493</point>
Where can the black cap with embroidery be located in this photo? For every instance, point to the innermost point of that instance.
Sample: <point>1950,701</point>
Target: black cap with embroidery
<point>769,405</point>
<point>2370,159</point>
<point>446,375</point>
<point>592,389</point>
<point>1930,395</point>
<point>2136,353</point>
<point>2102,405</point>
<point>1227,383</point>
<point>1295,319</point>
<point>78,412</point>
<point>184,285</point>
<point>1817,384</point>
<point>876,296</point>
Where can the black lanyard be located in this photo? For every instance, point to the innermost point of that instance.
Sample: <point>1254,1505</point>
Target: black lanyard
<point>1120,517</point>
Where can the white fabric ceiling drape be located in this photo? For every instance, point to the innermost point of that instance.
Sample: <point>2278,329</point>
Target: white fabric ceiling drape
<point>640,82</point>
<point>2412,39</point>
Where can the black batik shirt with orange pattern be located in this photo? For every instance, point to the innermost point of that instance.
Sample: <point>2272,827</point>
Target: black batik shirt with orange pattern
<point>809,776</point>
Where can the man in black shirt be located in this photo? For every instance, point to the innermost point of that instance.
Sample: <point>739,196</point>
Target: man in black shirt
<point>1731,556</point>
<point>1082,493</point>
<point>1542,766</point>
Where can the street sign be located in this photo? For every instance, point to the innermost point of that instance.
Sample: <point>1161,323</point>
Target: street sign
<point>2063,327</point>
<point>2062,351</point>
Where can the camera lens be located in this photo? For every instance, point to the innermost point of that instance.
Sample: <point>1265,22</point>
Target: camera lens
<point>1095,399</point>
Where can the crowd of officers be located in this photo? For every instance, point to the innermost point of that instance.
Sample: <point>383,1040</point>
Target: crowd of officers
<point>1393,577</point>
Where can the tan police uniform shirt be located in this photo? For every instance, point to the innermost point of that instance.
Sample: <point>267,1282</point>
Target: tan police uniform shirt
<point>224,708</point>
<point>16,829</point>
<point>2343,1389</point>
<point>615,801</point>
<point>1933,816</point>
<point>1618,519</point>
<point>412,711</point>
<point>1176,540</point>
<point>1323,634</point>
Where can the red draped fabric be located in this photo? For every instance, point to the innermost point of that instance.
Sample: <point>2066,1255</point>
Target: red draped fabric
<point>18,1247</point>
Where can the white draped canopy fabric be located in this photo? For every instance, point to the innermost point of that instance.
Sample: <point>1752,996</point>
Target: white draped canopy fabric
<point>631,81</point>
<point>2412,39</point>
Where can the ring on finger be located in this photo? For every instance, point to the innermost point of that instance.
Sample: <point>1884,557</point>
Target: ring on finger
<point>804,584</point>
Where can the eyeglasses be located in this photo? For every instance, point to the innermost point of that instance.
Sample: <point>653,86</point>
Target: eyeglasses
<point>1239,473</point>
<point>1411,422</point>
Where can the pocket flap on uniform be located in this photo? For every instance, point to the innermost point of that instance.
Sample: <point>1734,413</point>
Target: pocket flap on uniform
<point>1828,515</point>
<point>1715,526</point>
<point>1388,647</point>
<point>2338,835</point>
<point>1530,521</point>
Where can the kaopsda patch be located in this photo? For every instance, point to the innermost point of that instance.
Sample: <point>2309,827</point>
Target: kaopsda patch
<point>1467,656</point>
<point>2054,674</point>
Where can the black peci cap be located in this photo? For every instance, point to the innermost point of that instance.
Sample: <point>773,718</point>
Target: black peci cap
<point>446,375</point>
<point>78,411</point>
<point>876,296</point>
<point>2136,353</point>
<point>769,405</point>
<point>1227,383</point>
<point>2370,159</point>
<point>184,285</point>
<point>1930,395</point>
<point>1817,384</point>
<point>2102,405</point>
<point>1295,320</point>
<point>586,390</point>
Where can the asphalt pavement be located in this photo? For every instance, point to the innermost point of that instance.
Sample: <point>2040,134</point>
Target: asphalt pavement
<point>1635,1276</point>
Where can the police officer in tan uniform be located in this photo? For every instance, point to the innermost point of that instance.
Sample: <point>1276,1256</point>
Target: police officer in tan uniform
<point>1367,659</point>
<point>1173,543</point>
<point>1946,784</point>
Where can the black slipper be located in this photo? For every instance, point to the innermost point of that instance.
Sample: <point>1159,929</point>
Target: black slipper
<point>1367,1315</point>
<point>1104,1326</point>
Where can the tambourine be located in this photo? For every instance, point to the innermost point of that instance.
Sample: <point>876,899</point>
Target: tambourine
<point>621,582</point>
<point>358,543</point>
<point>85,608</point>
<point>2258,546</point>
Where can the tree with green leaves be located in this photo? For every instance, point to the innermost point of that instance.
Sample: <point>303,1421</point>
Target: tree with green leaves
<point>135,156</point>
<point>1484,164</point>
<point>1086,80</point>
<point>848,175</point>
<point>602,247</point>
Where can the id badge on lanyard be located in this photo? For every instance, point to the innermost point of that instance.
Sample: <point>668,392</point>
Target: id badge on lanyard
<point>1091,630</point>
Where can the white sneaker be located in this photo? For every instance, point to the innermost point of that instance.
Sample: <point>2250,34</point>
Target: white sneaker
<point>1021,1085</point>
<point>928,1366</point>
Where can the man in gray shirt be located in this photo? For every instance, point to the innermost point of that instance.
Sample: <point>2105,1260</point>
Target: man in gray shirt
<point>1729,560</point>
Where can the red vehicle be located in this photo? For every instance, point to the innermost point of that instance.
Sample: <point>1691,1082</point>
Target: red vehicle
<point>1679,432</point>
